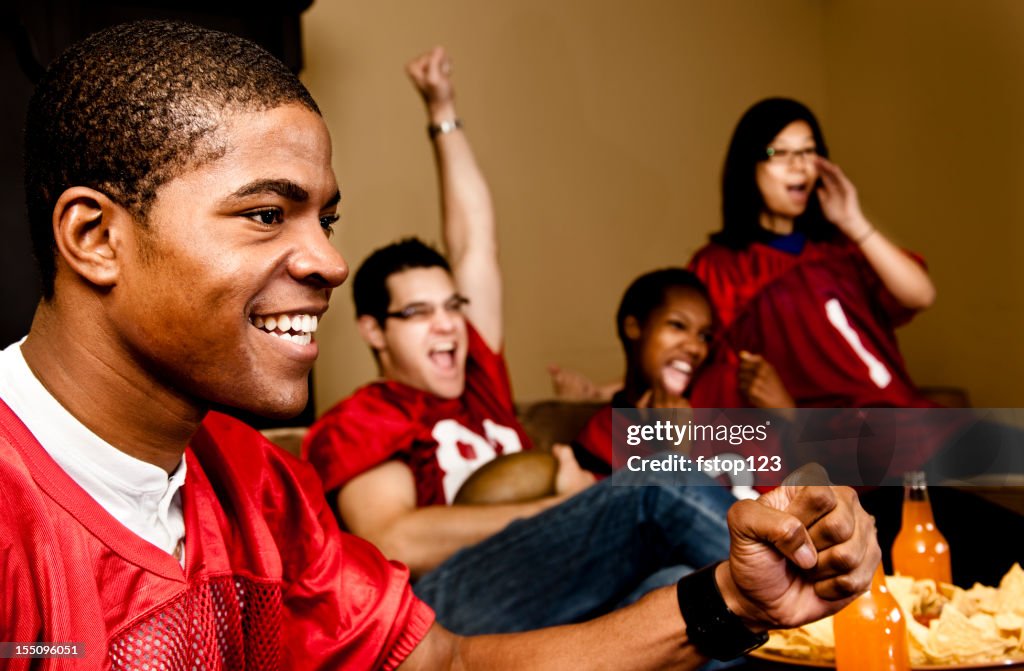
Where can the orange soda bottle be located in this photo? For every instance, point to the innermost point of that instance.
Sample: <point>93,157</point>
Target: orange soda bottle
<point>920,550</point>
<point>871,632</point>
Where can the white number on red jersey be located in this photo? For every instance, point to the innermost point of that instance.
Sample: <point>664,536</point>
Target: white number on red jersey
<point>456,467</point>
<point>877,371</point>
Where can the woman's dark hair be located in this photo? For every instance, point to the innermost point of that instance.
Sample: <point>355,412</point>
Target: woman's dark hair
<point>742,202</point>
<point>650,291</point>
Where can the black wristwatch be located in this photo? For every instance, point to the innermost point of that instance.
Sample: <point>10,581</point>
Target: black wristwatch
<point>710,625</point>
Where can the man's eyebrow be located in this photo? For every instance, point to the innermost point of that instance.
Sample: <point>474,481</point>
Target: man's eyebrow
<point>333,200</point>
<point>281,187</point>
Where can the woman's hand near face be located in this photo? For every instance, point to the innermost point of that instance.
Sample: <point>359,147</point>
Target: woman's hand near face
<point>839,201</point>
<point>904,277</point>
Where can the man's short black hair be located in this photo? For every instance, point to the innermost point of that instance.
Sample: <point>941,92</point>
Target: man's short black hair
<point>130,107</point>
<point>649,292</point>
<point>370,288</point>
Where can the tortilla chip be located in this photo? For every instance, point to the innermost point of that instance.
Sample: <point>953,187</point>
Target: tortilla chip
<point>980,625</point>
<point>958,638</point>
<point>978,599</point>
<point>779,641</point>
<point>902,589</point>
<point>811,641</point>
<point>928,599</point>
<point>1011,591</point>
<point>917,638</point>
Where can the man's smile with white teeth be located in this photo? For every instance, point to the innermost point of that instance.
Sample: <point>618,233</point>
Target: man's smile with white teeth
<point>296,328</point>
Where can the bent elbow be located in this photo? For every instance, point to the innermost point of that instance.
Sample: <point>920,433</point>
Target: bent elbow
<point>398,548</point>
<point>925,298</point>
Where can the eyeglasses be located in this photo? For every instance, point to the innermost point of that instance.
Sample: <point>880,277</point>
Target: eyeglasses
<point>787,156</point>
<point>425,311</point>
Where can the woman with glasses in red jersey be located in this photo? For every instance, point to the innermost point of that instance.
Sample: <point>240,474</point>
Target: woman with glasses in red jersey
<point>800,276</point>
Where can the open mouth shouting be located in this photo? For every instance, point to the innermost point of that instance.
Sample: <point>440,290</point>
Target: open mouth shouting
<point>296,328</point>
<point>442,355</point>
<point>676,376</point>
<point>799,192</point>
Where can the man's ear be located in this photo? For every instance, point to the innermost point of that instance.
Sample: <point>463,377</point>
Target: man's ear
<point>371,332</point>
<point>88,230</point>
<point>631,327</point>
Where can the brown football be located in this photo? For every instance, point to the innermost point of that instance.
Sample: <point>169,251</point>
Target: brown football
<point>511,478</point>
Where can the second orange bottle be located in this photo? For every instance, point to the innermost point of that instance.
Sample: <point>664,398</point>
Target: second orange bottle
<point>920,550</point>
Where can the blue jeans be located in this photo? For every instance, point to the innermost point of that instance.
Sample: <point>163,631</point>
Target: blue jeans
<point>582,558</point>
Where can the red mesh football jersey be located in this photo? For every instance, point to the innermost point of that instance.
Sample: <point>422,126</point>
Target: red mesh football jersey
<point>442,440</point>
<point>269,582</point>
<point>822,317</point>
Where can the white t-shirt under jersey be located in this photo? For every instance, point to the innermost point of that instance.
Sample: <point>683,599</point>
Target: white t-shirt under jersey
<point>137,493</point>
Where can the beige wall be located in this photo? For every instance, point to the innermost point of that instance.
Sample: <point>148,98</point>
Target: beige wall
<point>602,126</point>
<point>926,103</point>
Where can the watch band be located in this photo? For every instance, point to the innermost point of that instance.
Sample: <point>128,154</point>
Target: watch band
<point>714,629</point>
<point>446,126</point>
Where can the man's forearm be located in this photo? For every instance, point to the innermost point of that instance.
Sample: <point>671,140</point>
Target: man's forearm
<point>649,634</point>
<point>903,276</point>
<point>466,206</point>
<point>426,537</point>
<point>468,223</point>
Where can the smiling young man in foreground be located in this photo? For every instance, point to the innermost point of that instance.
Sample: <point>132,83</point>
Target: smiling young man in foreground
<point>180,192</point>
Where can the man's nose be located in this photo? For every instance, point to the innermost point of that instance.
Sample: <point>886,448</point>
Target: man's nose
<point>316,260</point>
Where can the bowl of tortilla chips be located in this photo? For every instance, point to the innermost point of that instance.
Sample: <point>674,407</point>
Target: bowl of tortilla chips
<point>947,627</point>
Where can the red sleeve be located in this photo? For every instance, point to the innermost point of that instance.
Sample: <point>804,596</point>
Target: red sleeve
<point>21,617</point>
<point>20,609</point>
<point>40,603</point>
<point>351,608</point>
<point>488,389</point>
<point>360,432</point>
<point>596,436</point>
<point>895,313</point>
<point>345,605</point>
<point>46,597</point>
